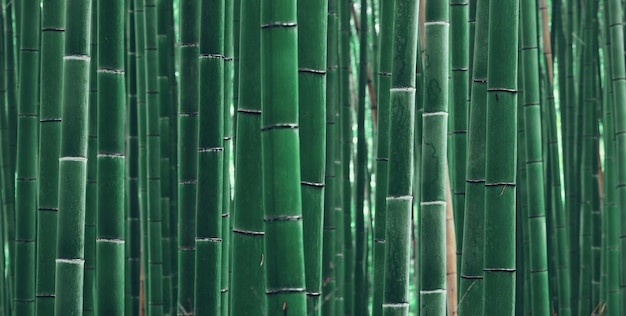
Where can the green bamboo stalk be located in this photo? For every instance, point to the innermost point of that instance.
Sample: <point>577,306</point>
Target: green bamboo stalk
<point>433,201</point>
<point>312,115</point>
<point>9,154</point>
<point>612,215</point>
<point>187,151</point>
<point>459,64</point>
<point>248,270</point>
<point>92,171</point>
<point>73,163</point>
<point>499,290</point>
<point>52,41</point>
<point>153,141</point>
<point>586,168</point>
<point>166,174</point>
<point>111,159</point>
<point>282,200</point>
<point>26,168</point>
<point>228,149</point>
<point>534,164</point>
<point>347,287</point>
<point>400,178</point>
<point>133,228</point>
<point>329,238</point>
<point>382,154</point>
<point>360,169</point>
<point>210,160</point>
<point>4,179</point>
<point>619,98</point>
<point>173,155</point>
<point>472,265</point>
<point>417,162</point>
<point>525,303</point>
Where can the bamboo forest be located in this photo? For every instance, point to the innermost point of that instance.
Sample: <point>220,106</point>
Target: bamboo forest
<point>312,157</point>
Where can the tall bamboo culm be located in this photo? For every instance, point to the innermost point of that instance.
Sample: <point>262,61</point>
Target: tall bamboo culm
<point>472,275</point>
<point>210,160</point>
<point>73,163</point>
<point>187,150</point>
<point>110,238</point>
<point>312,56</point>
<point>52,41</point>
<point>434,152</point>
<point>26,168</point>
<point>133,233</point>
<point>382,154</point>
<point>400,180</point>
<point>534,164</point>
<point>248,269</point>
<point>329,237</point>
<point>501,157</point>
<point>285,285</point>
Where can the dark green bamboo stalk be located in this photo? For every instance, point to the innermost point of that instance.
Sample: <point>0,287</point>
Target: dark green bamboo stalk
<point>459,64</point>
<point>228,149</point>
<point>73,163</point>
<point>401,125</point>
<point>26,168</point>
<point>534,164</point>
<point>92,171</point>
<point>329,238</point>
<point>133,233</point>
<point>52,41</point>
<point>360,293</point>
<point>501,158</point>
<point>612,215</point>
<point>187,151</point>
<point>210,160</point>
<point>166,174</point>
<point>586,167</point>
<point>4,179</point>
<point>312,17</point>
<point>472,265</point>
<point>433,201</point>
<point>285,284</point>
<point>347,288</point>
<point>382,154</point>
<point>417,161</point>
<point>248,270</point>
<point>110,237</point>
<point>153,138</point>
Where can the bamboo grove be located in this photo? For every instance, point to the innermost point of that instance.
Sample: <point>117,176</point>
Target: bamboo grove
<point>331,157</point>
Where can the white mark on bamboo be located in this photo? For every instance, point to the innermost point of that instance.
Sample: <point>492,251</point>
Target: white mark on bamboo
<point>77,57</point>
<point>70,261</point>
<point>402,89</point>
<point>396,305</point>
<point>437,291</point>
<point>444,23</point>
<point>435,114</point>
<point>433,203</point>
<point>78,159</point>
<point>402,197</point>
<point>111,240</point>
<point>111,71</point>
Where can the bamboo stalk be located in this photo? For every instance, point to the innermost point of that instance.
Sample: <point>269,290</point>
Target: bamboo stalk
<point>451,253</point>
<point>73,163</point>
